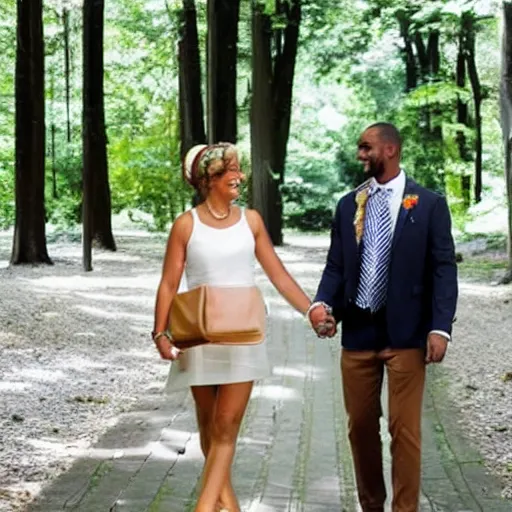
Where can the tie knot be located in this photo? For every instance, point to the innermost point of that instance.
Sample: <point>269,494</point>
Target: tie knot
<point>375,189</point>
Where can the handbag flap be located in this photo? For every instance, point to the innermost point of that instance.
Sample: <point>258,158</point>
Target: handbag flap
<point>234,313</point>
<point>186,315</point>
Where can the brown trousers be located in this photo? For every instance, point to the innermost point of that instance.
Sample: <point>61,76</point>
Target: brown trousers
<point>362,374</point>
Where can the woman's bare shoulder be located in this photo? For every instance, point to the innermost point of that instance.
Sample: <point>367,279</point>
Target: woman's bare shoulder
<point>253,219</point>
<point>183,224</point>
<point>253,215</point>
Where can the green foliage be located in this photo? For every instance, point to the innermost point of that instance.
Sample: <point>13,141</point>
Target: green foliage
<point>7,54</point>
<point>65,209</point>
<point>350,73</point>
<point>307,207</point>
<point>145,170</point>
<point>6,193</point>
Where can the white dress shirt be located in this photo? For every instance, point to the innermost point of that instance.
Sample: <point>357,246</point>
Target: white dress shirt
<point>397,185</point>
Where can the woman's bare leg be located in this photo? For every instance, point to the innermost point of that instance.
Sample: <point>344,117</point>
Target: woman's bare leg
<point>205,398</point>
<point>230,405</point>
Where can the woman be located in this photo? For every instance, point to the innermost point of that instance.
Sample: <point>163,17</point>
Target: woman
<point>215,243</point>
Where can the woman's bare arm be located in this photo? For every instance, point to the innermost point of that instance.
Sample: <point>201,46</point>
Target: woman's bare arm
<point>173,266</point>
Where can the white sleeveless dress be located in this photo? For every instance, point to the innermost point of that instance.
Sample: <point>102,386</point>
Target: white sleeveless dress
<point>219,257</point>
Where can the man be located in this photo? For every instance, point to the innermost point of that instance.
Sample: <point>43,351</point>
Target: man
<point>391,279</point>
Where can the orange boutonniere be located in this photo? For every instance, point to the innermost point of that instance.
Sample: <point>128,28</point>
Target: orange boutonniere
<point>361,200</point>
<point>410,201</point>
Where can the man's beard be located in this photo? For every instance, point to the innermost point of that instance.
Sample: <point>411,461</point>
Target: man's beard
<point>375,168</point>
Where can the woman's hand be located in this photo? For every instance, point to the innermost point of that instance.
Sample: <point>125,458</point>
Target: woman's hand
<point>167,349</point>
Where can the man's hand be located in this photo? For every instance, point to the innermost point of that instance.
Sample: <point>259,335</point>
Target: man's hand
<point>323,323</point>
<point>436,348</point>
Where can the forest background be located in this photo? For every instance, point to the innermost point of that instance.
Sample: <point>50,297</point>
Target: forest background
<point>100,100</point>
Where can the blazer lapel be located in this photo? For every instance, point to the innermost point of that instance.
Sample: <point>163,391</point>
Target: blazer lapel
<point>403,213</point>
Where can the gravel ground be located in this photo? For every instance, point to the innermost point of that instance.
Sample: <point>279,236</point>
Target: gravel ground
<point>76,352</point>
<point>479,370</point>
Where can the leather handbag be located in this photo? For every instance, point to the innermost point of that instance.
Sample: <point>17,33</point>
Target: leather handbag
<point>219,315</point>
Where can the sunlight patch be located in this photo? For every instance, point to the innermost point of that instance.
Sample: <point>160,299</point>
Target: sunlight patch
<point>79,282</point>
<point>256,442</point>
<point>257,506</point>
<point>115,256</point>
<point>101,313</point>
<point>484,290</point>
<point>302,371</point>
<point>276,392</point>
<point>39,374</point>
<point>128,299</point>
<point>14,386</point>
<point>58,448</point>
<point>82,364</point>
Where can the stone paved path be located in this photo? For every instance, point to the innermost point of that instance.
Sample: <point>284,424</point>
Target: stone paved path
<point>293,453</point>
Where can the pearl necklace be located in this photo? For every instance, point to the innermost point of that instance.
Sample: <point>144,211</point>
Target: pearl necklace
<point>216,215</point>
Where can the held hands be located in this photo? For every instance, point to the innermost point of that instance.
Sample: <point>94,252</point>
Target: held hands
<point>165,347</point>
<point>436,348</point>
<point>322,322</point>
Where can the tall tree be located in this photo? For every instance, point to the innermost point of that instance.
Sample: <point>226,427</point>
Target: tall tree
<point>67,58</point>
<point>97,222</point>
<point>411,75</point>
<point>463,121</point>
<point>506,120</point>
<point>468,28</point>
<point>192,128</point>
<point>223,16</point>
<point>263,187</point>
<point>273,69</point>
<point>29,244</point>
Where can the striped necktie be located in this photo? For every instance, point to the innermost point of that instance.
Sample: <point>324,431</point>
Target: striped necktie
<point>376,251</point>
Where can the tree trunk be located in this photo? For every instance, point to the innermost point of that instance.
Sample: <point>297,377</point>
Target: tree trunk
<point>411,79</point>
<point>53,132</point>
<point>54,162</point>
<point>262,185</point>
<point>272,78</point>
<point>96,204</point>
<point>29,243</point>
<point>284,70</point>
<point>463,119</point>
<point>423,56</point>
<point>428,56</point>
<point>434,55</point>
<point>223,18</point>
<point>477,100</point>
<point>506,120</point>
<point>65,17</point>
<point>192,130</point>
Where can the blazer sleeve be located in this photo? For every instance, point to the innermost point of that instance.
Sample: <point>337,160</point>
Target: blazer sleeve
<point>444,268</point>
<point>332,276</point>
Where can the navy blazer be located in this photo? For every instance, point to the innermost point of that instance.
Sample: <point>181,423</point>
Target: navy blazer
<point>422,287</point>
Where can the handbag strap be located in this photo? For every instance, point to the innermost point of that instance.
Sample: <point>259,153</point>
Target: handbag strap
<point>202,309</point>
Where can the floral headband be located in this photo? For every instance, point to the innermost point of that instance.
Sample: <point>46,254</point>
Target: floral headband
<point>198,159</point>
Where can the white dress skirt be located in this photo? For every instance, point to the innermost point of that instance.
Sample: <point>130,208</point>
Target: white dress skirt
<point>219,257</point>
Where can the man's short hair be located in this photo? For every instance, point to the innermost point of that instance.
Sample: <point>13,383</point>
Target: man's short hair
<point>388,132</point>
